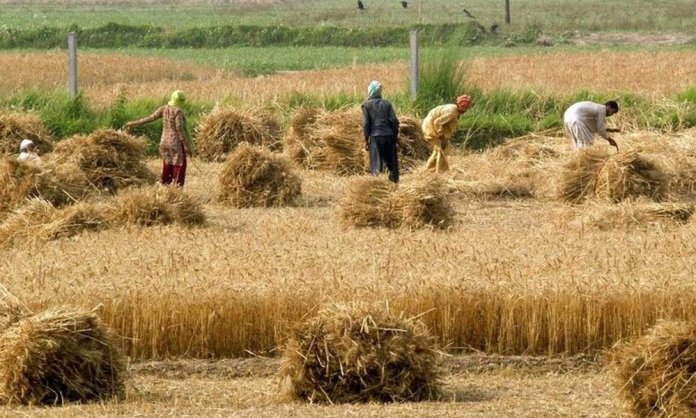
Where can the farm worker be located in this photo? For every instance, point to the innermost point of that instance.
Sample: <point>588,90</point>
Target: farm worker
<point>381,129</point>
<point>174,144</point>
<point>583,120</point>
<point>27,151</point>
<point>439,127</point>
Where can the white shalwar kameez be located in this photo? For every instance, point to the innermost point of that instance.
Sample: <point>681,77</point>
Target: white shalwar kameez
<point>583,120</point>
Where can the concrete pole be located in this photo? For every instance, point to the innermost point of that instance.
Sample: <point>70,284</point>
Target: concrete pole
<point>72,64</point>
<point>414,63</point>
<point>507,12</point>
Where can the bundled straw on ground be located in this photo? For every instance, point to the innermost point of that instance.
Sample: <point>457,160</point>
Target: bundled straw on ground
<point>596,172</point>
<point>56,183</point>
<point>656,374</point>
<point>354,354</point>
<point>39,220</point>
<point>368,201</point>
<point>110,160</point>
<point>342,142</point>
<point>417,202</point>
<point>18,180</point>
<point>411,139</point>
<point>59,356</point>
<point>222,130</point>
<point>423,201</point>
<point>253,176</point>
<point>297,142</point>
<point>413,147</point>
<point>14,127</point>
<point>12,309</point>
<point>154,205</point>
<point>635,214</point>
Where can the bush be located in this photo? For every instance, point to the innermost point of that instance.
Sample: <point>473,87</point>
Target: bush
<point>442,78</point>
<point>481,130</point>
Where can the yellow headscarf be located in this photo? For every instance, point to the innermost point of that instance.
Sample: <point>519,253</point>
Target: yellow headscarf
<point>177,99</point>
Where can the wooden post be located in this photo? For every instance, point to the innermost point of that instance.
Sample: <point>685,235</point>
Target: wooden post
<point>72,64</point>
<point>414,63</point>
<point>507,12</point>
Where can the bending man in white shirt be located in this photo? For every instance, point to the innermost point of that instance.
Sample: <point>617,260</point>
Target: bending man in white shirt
<point>27,151</point>
<point>585,119</point>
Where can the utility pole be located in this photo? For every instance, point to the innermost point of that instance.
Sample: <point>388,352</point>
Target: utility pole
<point>507,12</point>
<point>72,64</point>
<point>414,63</point>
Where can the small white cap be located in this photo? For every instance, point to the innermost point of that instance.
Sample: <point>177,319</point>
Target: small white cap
<point>26,143</point>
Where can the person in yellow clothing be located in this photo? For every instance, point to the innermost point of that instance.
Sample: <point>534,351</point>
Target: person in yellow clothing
<point>439,128</point>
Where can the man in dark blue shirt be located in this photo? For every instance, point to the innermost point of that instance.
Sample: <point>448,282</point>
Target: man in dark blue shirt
<point>381,129</point>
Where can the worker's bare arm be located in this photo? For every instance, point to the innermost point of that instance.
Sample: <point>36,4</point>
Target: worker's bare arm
<point>613,143</point>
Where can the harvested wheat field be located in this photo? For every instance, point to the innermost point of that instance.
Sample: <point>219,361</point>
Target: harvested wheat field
<point>476,386</point>
<point>511,275</point>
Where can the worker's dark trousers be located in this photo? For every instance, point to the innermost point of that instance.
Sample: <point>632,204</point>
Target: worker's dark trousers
<point>383,155</point>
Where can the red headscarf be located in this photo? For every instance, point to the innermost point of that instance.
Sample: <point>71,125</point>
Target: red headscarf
<point>464,102</point>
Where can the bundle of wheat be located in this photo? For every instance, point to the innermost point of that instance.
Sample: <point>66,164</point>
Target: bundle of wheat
<point>63,184</point>
<point>423,201</point>
<point>222,130</point>
<point>154,205</point>
<point>39,220</point>
<point>629,175</point>
<point>595,172</point>
<point>60,184</point>
<point>11,309</point>
<point>417,202</point>
<point>411,139</point>
<point>14,127</point>
<point>368,201</point>
<point>59,356</point>
<point>298,139</point>
<point>656,374</point>
<point>341,140</point>
<point>357,354</point>
<point>18,180</point>
<point>253,176</point>
<point>109,159</point>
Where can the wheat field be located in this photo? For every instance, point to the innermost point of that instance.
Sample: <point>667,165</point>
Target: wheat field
<point>651,74</point>
<point>511,276</point>
<point>519,273</point>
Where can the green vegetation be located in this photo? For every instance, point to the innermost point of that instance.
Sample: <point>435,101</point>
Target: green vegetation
<point>441,78</point>
<point>554,16</point>
<point>115,35</point>
<point>200,24</point>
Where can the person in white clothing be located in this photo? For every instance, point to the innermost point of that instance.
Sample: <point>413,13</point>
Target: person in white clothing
<point>585,119</point>
<point>27,151</point>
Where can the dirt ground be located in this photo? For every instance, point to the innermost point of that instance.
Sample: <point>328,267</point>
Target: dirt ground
<point>475,386</point>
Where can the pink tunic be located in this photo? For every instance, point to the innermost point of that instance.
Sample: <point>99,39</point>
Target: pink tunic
<point>172,141</point>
